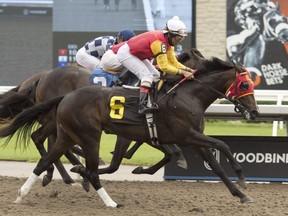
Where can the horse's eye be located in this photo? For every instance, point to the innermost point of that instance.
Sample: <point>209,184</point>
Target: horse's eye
<point>244,86</point>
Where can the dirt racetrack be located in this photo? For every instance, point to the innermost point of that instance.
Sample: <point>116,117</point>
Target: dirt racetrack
<point>143,198</point>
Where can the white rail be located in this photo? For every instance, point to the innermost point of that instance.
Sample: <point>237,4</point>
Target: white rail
<point>276,112</point>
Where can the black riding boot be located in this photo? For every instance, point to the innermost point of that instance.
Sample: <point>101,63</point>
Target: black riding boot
<point>143,99</point>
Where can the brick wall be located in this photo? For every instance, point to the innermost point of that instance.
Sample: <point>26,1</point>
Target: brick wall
<point>211,27</point>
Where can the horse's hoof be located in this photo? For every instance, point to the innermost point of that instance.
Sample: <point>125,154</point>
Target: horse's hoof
<point>18,200</point>
<point>242,183</point>
<point>247,200</point>
<point>119,206</point>
<point>46,180</point>
<point>86,185</point>
<point>76,184</point>
<point>137,170</point>
<point>77,168</point>
<point>183,164</point>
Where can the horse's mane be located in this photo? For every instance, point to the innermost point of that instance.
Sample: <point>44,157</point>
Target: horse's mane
<point>215,64</point>
<point>207,66</point>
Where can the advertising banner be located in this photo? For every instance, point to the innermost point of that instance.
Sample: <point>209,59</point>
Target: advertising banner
<point>261,158</point>
<point>257,37</point>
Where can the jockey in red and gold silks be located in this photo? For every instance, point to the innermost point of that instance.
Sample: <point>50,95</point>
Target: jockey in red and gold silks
<point>136,53</point>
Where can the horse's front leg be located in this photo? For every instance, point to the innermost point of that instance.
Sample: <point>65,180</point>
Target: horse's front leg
<point>199,140</point>
<point>168,152</point>
<point>132,150</point>
<point>202,140</point>
<point>208,156</point>
<point>181,160</point>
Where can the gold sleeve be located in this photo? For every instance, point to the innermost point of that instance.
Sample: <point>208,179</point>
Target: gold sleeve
<point>166,60</point>
<point>173,60</point>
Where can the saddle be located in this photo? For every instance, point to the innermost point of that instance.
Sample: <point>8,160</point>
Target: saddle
<point>123,108</point>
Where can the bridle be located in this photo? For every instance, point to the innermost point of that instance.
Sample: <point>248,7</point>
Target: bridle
<point>242,86</point>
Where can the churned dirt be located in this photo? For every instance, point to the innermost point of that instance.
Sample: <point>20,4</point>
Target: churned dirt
<point>143,198</point>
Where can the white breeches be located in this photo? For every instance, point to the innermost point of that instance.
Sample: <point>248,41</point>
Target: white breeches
<point>110,62</point>
<point>144,70</point>
<point>88,61</point>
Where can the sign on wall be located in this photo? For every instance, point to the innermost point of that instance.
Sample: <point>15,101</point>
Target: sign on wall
<point>257,37</point>
<point>74,24</point>
<point>261,158</point>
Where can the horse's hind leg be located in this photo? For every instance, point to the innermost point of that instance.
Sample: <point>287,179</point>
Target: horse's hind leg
<point>208,156</point>
<point>58,149</point>
<point>38,137</point>
<point>75,162</point>
<point>59,165</point>
<point>121,146</point>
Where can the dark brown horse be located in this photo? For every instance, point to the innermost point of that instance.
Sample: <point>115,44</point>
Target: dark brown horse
<point>20,98</point>
<point>28,93</point>
<point>60,81</point>
<point>82,115</point>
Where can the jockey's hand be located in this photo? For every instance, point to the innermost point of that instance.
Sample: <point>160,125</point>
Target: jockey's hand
<point>190,70</point>
<point>187,74</point>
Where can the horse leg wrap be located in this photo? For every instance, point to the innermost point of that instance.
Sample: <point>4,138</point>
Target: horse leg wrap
<point>106,198</point>
<point>24,190</point>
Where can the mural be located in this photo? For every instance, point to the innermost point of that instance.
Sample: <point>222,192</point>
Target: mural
<point>257,37</point>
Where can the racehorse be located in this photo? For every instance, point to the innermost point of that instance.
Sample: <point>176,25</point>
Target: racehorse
<point>60,81</point>
<point>18,98</point>
<point>273,32</point>
<point>83,114</point>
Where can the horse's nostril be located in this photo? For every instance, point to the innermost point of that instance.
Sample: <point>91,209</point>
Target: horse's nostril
<point>254,114</point>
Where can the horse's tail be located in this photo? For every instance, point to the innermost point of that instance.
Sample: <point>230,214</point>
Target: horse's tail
<point>14,101</point>
<point>25,121</point>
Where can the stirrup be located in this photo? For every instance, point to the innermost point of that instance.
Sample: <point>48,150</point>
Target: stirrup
<point>145,110</point>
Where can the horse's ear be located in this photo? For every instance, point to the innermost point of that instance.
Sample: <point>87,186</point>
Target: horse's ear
<point>183,56</point>
<point>197,52</point>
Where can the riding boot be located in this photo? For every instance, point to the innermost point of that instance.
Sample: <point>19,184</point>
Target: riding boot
<point>143,100</point>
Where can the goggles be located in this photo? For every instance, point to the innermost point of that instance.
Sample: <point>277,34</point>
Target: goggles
<point>180,32</point>
<point>179,38</point>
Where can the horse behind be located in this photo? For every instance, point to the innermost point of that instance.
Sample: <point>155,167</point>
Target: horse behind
<point>82,115</point>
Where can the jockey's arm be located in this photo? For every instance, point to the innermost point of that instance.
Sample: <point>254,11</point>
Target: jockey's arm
<point>163,58</point>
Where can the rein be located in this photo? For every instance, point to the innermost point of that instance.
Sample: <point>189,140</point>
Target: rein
<point>239,108</point>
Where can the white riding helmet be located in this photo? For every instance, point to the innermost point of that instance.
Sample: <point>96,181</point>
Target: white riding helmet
<point>175,26</point>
